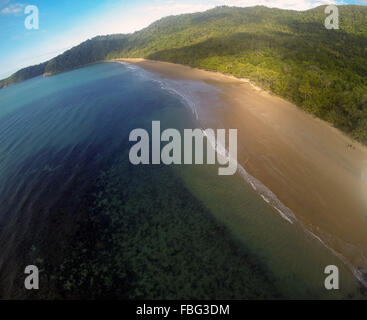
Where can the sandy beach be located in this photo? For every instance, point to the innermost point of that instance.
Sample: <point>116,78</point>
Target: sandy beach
<point>314,169</point>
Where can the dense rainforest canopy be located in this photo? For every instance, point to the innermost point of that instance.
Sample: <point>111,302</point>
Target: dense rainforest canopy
<point>290,53</point>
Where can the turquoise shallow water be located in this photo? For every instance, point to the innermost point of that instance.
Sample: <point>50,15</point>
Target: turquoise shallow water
<point>57,134</point>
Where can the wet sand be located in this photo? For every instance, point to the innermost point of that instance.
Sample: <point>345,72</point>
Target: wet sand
<point>314,169</point>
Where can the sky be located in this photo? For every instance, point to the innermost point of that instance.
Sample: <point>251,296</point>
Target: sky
<point>66,23</point>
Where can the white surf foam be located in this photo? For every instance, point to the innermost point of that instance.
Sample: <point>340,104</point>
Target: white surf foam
<point>265,193</point>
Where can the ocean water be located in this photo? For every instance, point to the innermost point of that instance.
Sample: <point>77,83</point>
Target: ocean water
<point>64,165</point>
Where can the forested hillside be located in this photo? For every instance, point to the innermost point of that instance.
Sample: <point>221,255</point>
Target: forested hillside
<point>288,52</point>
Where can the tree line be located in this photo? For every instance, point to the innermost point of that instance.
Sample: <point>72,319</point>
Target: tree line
<point>290,53</point>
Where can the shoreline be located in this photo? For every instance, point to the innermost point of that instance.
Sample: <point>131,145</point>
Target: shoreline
<point>305,161</point>
<point>219,75</point>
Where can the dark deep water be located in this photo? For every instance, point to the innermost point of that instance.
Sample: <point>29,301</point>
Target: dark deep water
<point>56,134</point>
<point>98,227</point>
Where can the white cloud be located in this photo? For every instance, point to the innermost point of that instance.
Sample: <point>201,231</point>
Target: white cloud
<point>126,22</point>
<point>282,4</point>
<point>141,17</point>
<point>13,9</point>
<point>123,20</point>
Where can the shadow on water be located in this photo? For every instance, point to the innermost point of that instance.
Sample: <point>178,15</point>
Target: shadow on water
<point>113,230</point>
<point>101,228</point>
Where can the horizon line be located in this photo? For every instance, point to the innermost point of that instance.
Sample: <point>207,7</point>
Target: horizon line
<point>175,15</point>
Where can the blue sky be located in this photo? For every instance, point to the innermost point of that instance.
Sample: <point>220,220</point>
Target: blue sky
<point>65,23</point>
